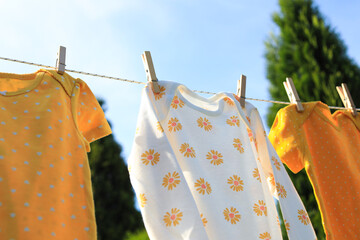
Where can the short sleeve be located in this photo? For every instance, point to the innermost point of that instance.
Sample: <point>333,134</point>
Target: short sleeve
<point>88,114</point>
<point>287,137</point>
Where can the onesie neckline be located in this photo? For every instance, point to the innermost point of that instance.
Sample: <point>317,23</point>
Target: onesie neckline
<point>215,101</point>
<point>36,77</point>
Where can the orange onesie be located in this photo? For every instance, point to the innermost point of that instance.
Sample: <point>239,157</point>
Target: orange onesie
<point>47,121</point>
<point>328,146</point>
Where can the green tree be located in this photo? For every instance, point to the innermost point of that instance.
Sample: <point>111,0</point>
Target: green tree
<point>115,210</point>
<point>312,53</point>
<point>140,235</point>
<point>308,50</point>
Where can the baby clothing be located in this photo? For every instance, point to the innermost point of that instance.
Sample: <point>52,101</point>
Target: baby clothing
<point>328,146</point>
<point>47,122</point>
<point>204,169</point>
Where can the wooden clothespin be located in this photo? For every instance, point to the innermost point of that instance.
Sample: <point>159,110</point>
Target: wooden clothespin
<point>346,98</point>
<point>292,94</point>
<point>150,71</point>
<point>60,61</point>
<point>241,89</point>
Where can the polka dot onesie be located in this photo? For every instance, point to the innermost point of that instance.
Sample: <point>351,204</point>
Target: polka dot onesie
<point>328,146</point>
<point>47,121</point>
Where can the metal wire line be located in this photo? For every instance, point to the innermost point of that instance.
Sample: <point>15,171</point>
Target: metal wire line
<point>138,82</point>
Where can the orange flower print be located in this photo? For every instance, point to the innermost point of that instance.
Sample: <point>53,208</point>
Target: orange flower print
<point>250,134</point>
<point>260,208</point>
<point>271,179</point>
<point>142,199</point>
<point>202,186</point>
<point>215,157</point>
<point>256,174</point>
<point>248,119</point>
<point>281,190</point>
<point>232,215</point>
<point>256,145</point>
<point>277,221</point>
<point>176,102</point>
<point>287,225</point>
<point>204,220</point>
<point>159,95</point>
<point>173,218</point>
<point>236,184</point>
<point>238,145</point>
<point>150,157</point>
<point>171,180</point>
<point>276,163</point>
<point>303,217</point>
<point>159,127</point>
<point>204,123</point>
<point>174,125</point>
<point>229,101</point>
<point>236,97</point>
<point>265,236</point>
<point>187,150</point>
<point>234,120</point>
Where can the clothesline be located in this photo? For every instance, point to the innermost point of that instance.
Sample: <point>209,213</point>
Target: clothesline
<point>138,82</point>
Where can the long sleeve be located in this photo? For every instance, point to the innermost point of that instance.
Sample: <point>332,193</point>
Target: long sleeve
<point>295,217</point>
<point>166,203</point>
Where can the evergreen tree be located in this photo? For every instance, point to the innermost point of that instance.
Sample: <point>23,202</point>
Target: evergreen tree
<point>309,51</point>
<point>113,195</point>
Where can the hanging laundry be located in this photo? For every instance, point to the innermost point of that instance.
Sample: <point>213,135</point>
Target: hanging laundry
<point>47,121</point>
<point>204,169</point>
<point>328,146</point>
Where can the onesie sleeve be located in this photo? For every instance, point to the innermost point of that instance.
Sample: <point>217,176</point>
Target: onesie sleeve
<point>166,203</point>
<point>287,137</point>
<point>88,114</point>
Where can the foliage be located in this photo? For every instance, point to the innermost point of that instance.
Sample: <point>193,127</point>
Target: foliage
<point>113,195</point>
<point>309,51</point>
<point>140,235</point>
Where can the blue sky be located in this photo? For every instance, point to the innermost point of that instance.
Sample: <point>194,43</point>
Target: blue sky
<point>206,45</point>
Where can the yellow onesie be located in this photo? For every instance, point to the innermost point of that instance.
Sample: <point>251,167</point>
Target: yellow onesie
<point>328,146</point>
<point>47,121</point>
